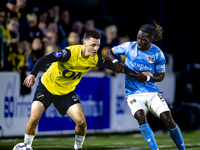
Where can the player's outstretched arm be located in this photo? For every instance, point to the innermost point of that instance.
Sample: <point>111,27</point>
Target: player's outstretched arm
<point>157,77</point>
<point>29,81</point>
<point>117,67</point>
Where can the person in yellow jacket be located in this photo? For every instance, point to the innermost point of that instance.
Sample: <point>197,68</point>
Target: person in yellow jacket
<point>17,59</point>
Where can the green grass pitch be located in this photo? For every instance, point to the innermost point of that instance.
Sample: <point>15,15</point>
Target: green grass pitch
<point>129,141</point>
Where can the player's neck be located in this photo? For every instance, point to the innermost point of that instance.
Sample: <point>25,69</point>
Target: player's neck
<point>149,46</point>
<point>83,52</point>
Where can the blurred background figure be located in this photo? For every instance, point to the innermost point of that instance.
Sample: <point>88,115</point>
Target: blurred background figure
<point>10,9</point>
<point>124,39</point>
<point>53,27</point>
<point>111,39</point>
<point>48,50</point>
<point>16,59</point>
<point>49,39</point>
<point>13,25</point>
<point>34,30</point>
<point>2,16</point>
<point>37,50</point>
<point>77,26</point>
<point>64,25</point>
<point>73,38</point>
<point>19,7</point>
<point>53,13</point>
<point>27,53</point>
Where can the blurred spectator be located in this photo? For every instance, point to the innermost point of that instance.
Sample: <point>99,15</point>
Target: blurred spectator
<point>43,16</point>
<point>2,15</point>
<point>48,50</point>
<point>28,59</point>
<point>37,49</point>
<point>53,13</point>
<point>89,25</point>
<point>42,26</point>
<point>77,26</point>
<point>73,38</point>
<point>12,25</point>
<point>49,39</point>
<point>34,30</point>
<point>16,59</point>
<point>6,41</point>
<point>122,40</point>
<point>19,7</point>
<point>110,40</point>
<point>52,26</point>
<point>10,6</point>
<point>64,25</point>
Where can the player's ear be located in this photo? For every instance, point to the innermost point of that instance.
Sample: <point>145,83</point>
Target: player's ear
<point>151,39</point>
<point>84,42</point>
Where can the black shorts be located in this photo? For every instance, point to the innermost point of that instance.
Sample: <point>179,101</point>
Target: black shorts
<point>61,102</point>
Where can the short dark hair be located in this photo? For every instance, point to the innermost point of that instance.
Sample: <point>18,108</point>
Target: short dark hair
<point>92,34</point>
<point>153,31</point>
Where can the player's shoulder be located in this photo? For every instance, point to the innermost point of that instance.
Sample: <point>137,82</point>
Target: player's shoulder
<point>127,45</point>
<point>74,47</point>
<point>158,52</point>
<point>156,48</point>
<point>130,44</point>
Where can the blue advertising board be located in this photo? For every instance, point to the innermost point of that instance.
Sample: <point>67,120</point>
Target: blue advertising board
<point>94,94</point>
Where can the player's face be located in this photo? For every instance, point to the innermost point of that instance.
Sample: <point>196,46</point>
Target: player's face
<point>91,46</point>
<point>143,40</point>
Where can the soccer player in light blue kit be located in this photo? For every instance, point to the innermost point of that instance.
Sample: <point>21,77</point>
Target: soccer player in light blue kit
<point>148,61</point>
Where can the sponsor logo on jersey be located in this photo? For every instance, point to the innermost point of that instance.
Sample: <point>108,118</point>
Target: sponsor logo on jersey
<point>140,66</point>
<point>40,96</point>
<point>74,97</point>
<point>57,54</point>
<point>151,59</point>
<point>64,52</point>
<point>132,101</point>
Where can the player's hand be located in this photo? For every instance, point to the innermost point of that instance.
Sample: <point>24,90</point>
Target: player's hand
<point>29,81</point>
<point>147,73</point>
<point>139,76</point>
<point>118,68</point>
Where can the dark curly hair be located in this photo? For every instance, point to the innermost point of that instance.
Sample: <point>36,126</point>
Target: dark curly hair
<point>153,31</point>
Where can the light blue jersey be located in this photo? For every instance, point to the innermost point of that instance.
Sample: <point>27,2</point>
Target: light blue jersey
<point>151,60</point>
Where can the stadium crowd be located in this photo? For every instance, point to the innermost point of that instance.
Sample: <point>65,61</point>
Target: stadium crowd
<point>28,35</point>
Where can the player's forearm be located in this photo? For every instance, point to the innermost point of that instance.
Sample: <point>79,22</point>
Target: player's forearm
<point>158,77</point>
<point>128,71</point>
<point>38,65</point>
<point>110,55</point>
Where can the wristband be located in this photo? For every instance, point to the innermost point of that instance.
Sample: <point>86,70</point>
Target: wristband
<point>114,61</point>
<point>148,78</point>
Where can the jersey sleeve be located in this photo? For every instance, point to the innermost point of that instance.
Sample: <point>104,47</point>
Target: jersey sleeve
<point>160,63</point>
<point>62,56</point>
<point>121,49</point>
<point>104,63</point>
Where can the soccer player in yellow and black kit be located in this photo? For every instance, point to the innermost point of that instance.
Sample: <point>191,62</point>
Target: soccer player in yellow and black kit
<point>59,82</point>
